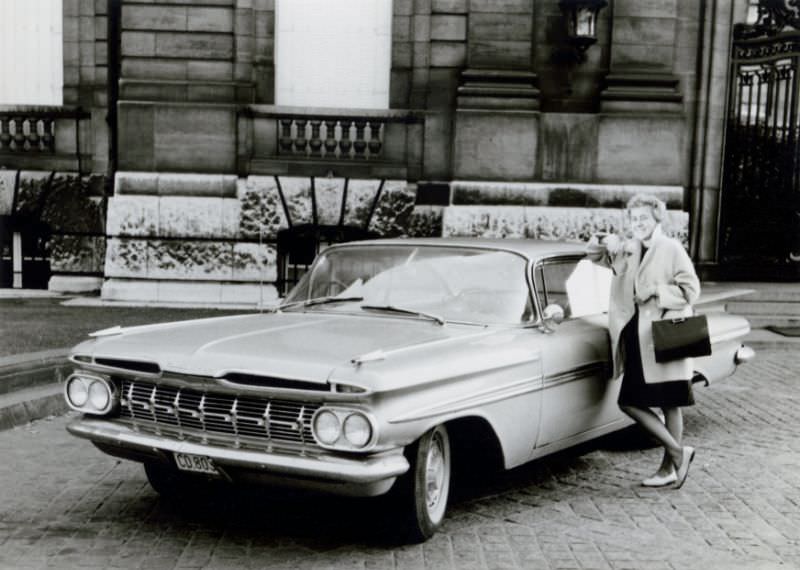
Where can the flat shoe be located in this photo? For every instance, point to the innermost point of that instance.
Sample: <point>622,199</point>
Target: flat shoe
<point>660,480</point>
<point>683,468</point>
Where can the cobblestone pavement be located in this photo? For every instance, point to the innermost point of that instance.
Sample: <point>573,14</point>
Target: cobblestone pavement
<point>64,504</point>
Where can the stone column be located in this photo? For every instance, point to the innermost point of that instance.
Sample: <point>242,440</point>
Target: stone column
<point>499,57</point>
<point>642,66</point>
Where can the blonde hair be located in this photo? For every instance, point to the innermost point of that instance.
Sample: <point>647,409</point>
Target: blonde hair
<point>657,207</point>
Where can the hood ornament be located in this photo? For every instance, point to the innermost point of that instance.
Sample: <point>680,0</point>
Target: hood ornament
<point>369,357</point>
<point>107,332</point>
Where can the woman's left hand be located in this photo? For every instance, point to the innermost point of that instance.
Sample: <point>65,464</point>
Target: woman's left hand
<point>645,294</point>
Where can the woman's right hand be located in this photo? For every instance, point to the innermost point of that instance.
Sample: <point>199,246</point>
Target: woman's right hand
<point>613,243</point>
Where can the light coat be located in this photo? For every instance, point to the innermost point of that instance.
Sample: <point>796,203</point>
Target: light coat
<point>665,266</point>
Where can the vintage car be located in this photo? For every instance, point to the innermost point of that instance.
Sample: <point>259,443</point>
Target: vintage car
<point>388,362</point>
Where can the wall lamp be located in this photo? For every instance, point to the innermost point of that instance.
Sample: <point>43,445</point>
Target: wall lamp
<point>580,17</point>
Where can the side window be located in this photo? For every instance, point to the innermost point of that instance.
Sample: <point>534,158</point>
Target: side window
<point>551,283</point>
<point>580,287</point>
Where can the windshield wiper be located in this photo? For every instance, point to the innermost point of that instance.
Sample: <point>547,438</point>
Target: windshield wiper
<point>393,309</point>
<point>317,301</point>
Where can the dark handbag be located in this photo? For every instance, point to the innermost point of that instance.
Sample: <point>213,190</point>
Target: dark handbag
<point>675,339</point>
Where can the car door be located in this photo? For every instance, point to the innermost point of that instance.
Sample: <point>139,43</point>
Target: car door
<point>578,397</point>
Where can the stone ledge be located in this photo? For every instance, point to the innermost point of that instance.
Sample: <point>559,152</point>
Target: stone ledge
<point>560,194</point>
<point>189,293</point>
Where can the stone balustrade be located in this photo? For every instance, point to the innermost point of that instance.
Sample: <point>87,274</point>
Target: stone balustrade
<point>335,139</point>
<point>32,129</point>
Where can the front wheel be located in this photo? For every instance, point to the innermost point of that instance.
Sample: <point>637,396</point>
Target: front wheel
<point>424,490</point>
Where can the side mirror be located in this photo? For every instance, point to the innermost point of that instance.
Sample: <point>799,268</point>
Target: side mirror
<point>552,316</point>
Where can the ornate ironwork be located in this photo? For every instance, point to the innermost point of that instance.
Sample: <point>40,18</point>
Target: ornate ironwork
<point>761,182</point>
<point>774,16</point>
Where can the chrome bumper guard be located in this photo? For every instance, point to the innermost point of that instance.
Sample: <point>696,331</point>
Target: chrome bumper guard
<point>322,467</point>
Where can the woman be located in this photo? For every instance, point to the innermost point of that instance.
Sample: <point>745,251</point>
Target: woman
<point>653,279</point>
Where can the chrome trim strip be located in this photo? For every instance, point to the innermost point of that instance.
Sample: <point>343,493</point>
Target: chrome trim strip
<point>333,468</point>
<point>579,373</point>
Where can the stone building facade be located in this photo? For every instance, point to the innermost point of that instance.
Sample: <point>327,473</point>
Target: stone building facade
<point>204,189</point>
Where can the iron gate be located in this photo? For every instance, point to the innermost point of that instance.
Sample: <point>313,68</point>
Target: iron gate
<point>760,201</point>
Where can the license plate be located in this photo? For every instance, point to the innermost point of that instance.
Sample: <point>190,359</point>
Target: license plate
<point>195,463</point>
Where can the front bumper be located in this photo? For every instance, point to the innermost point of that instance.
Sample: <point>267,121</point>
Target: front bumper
<point>369,475</point>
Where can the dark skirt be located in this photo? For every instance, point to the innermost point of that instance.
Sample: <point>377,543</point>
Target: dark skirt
<point>634,390</point>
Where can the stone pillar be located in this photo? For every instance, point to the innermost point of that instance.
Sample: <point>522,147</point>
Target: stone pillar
<point>497,119</point>
<point>642,66</point>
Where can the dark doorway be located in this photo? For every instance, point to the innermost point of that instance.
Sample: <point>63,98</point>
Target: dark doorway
<point>299,245</point>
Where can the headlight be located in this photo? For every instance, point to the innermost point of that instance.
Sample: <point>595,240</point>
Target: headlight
<point>99,395</point>
<point>340,428</point>
<point>327,427</point>
<point>89,394</point>
<point>77,391</point>
<point>357,430</point>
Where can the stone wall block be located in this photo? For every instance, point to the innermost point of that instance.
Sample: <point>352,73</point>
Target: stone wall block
<point>153,18</point>
<point>645,8</point>
<point>394,208</point>
<point>502,6</point>
<point>246,293</point>
<point>297,193</point>
<point>500,27</point>
<point>179,259</point>
<point>450,6</point>
<point>180,216</point>
<point>261,213</point>
<point>472,221</point>
<point>448,54</point>
<point>171,291</point>
<point>77,254</point>
<point>194,45</point>
<point>136,183</point>
<point>210,20</point>
<point>645,31</point>
<point>254,262</point>
<point>132,216</point>
<point>328,193</point>
<point>231,214</point>
<point>358,205</point>
<point>201,185</point>
<point>138,44</point>
<point>126,258</point>
<point>448,27</point>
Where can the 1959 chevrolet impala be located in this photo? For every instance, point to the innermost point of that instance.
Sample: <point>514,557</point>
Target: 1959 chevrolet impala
<point>387,360</point>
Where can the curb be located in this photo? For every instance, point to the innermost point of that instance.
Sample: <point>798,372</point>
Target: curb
<point>31,386</point>
<point>24,406</point>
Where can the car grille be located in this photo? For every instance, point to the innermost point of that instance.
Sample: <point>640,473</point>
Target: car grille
<point>219,419</point>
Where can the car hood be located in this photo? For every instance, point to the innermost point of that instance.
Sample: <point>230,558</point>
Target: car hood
<point>302,346</point>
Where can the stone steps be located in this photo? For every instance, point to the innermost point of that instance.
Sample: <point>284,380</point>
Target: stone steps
<point>776,304</point>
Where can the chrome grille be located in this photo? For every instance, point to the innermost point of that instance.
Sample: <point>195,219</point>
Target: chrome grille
<point>223,419</point>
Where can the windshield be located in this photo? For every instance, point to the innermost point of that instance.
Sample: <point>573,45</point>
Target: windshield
<point>454,283</point>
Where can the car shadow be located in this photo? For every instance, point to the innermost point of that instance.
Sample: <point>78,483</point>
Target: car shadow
<point>323,522</point>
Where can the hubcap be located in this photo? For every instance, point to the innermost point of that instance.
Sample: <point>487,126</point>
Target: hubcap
<point>434,472</point>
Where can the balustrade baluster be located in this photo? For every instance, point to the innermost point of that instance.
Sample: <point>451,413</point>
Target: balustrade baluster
<point>33,134</point>
<point>316,142</point>
<point>375,142</point>
<point>19,135</point>
<point>330,138</point>
<point>48,134</point>
<point>285,140</point>
<point>345,143</point>
<point>300,141</point>
<point>359,144</point>
<point>5,134</point>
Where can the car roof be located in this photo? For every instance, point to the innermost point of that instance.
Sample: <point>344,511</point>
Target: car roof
<point>531,248</point>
